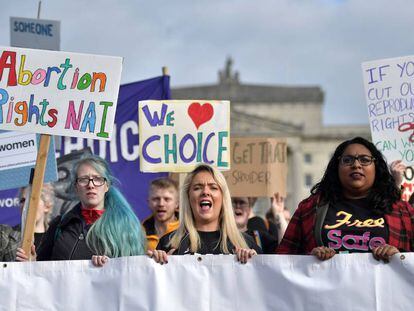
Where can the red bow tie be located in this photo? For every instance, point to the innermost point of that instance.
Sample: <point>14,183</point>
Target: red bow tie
<point>91,215</point>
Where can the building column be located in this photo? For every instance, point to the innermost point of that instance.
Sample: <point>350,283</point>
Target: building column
<point>297,173</point>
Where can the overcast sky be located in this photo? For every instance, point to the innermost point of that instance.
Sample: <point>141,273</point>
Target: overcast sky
<point>276,42</point>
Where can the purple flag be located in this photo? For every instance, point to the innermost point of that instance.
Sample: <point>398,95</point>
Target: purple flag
<point>121,152</point>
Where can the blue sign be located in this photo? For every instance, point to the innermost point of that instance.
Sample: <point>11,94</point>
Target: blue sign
<point>35,33</point>
<point>20,177</point>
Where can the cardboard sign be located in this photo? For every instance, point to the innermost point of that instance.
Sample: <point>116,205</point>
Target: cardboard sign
<point>389,91</point>
<point>18,153</point>
<point>176,135</point>
<point>58,93</point>
<point>35,33</point>
<point>258,167</point>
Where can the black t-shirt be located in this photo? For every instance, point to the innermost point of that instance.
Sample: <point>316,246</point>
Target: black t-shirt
<point>273,230</point>
<point>352,226</point>
<point>38,239</point>
<point>256,223</point>
<point>264,240</point>
<point>210,244</point>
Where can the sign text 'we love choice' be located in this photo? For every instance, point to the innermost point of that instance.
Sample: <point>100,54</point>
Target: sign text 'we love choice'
<point>175,135</point>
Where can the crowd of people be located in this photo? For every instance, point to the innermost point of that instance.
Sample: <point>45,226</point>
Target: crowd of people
<point>355,207</point>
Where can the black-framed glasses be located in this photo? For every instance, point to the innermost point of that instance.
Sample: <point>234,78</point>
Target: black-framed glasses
<point>238,202</point>
<point>96,180</point>
<point>363,159</point>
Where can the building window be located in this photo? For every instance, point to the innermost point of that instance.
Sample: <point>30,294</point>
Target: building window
<point>308,158</point>
<point>308,180</point>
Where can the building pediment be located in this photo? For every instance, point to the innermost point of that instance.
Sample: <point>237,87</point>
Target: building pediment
<point>230,88</point>
<point>243,124</point>
<point>249,93</point>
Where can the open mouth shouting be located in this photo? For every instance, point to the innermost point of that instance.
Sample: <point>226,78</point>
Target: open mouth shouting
<point>238,212</point>
<point>206,201</point>
<point>205,205</point>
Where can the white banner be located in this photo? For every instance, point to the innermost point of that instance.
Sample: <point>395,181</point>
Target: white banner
<point>212,282</point>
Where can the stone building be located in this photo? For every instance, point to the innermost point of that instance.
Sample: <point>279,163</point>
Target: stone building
<point>294,112</point>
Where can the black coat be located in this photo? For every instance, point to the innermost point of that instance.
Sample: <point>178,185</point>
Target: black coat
<point>66,238</point>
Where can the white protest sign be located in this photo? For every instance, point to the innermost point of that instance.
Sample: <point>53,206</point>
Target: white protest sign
<point>34,33</point>
<point>176,135</point>
<point>17,150</point>
<point>58,93</point>
<point>389,92</point>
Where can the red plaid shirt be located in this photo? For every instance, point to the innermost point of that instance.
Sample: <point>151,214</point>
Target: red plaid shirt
<point>300,239</point>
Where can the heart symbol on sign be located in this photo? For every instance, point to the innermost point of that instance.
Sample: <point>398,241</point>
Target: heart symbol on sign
<point>200,114</point>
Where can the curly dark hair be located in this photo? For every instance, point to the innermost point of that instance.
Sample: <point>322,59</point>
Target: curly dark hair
<point>384,191</point>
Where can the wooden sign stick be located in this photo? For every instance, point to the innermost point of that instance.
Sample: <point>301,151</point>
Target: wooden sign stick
<point>38,178</point>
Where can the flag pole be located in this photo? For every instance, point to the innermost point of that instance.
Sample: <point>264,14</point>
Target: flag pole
<point>38,9</point>
<point>178,177</point>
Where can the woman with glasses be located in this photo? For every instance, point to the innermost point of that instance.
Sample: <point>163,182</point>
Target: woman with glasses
<point>356,207</point>
<point>101,226</point>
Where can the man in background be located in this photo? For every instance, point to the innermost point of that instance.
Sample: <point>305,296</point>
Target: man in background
<point>163,202</point>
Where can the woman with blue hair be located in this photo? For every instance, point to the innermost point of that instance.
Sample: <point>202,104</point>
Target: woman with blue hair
<point>101,226</point>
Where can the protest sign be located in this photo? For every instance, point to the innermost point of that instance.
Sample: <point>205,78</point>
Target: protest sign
<point>176,135</point>
<point>34,33</point>
<point>46,92</point>
<point>58,93</point>
<point>122,151</point>
<point>258,167</point>
<point>18,153</point>
<point>267,282</point>
<point>17,149</point>
<point>389,92</point>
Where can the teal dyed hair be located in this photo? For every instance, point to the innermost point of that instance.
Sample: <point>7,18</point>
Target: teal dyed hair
<point>117,232</point>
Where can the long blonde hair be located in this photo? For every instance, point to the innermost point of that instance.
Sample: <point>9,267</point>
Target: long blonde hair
<point>227,223</point>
